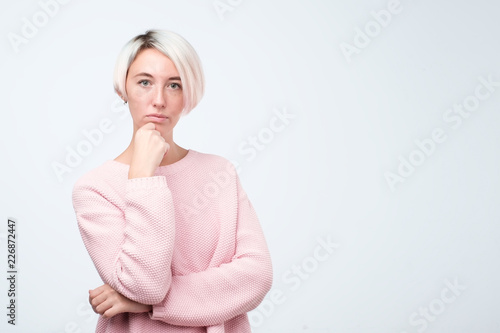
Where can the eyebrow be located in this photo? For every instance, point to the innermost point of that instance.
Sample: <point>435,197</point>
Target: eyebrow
<point>151,76</point>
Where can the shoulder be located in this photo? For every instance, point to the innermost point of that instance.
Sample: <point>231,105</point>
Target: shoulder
<point>101,179</point>
<point>213,162</point>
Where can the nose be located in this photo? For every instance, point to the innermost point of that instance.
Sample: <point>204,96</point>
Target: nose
<point>159,99</point>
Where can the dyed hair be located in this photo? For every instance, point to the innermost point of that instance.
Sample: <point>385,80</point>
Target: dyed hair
<point>178,50</point>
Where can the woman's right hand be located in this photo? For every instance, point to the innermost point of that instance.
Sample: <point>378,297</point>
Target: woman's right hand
<point>149,149</point>
<point>108,302</point>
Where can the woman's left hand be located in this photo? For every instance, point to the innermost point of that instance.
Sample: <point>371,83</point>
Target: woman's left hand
<point>108,302</point>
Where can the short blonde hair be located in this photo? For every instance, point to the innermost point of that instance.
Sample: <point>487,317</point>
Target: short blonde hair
<point>178,50</point>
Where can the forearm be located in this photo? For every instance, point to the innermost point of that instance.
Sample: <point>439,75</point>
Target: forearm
<point>131,246</point>
<point>217,294</point>
<point>108,302</point>
<point>143,268</point>
<point>237,283</point>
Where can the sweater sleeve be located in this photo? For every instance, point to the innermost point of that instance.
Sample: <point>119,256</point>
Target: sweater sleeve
<point>218,294</point>
<point>131,244</point>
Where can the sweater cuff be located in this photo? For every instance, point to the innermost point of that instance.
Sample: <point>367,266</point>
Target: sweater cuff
<point>157,313</point>
<point>145,183</point>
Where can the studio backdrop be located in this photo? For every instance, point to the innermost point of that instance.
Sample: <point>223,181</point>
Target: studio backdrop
<point>365,134</point>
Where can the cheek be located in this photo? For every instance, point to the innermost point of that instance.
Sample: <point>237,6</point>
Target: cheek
<point>137,94</point>
<point>178,100</point>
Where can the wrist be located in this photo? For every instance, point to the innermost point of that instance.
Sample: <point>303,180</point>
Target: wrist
<point>132,173</point>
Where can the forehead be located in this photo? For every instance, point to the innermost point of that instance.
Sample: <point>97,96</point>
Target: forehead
<point>153,62</point>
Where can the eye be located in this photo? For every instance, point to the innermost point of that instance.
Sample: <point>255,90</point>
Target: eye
<point>175,86</point>
<point>144,83</point>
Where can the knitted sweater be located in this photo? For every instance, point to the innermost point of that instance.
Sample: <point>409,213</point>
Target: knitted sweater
<point>186,240</point>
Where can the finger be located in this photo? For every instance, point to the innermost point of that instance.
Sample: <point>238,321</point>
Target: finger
<point>100,294</point>
<point>103,307</point>
<point>111,312</point>
<point>101,298</point>
<point>113,306</point>
<point>90,298</point>
<point>156,133</point>
<point>152,131</point>
<point>98,290</point>
<point>149,126</point>
<point>93,293</point>
<point>93,307</point>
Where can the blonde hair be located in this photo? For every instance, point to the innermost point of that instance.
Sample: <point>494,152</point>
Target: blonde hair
<point>178,50</point>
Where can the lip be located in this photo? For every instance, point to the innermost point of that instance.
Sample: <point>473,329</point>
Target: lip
<point>157,117</point>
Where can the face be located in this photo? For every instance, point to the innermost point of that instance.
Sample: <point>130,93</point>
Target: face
<point>154,91</point>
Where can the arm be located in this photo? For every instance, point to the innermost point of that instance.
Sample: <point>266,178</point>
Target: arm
<point>218,294</point>
<point>132,246</point>
<point>108,302</point>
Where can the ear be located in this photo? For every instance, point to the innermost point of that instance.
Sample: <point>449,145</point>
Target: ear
<point>121,96</point>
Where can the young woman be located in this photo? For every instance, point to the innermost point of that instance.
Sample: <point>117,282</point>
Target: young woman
<point>173,236</point>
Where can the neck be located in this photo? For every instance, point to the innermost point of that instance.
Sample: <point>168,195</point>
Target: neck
<point>174,154</point>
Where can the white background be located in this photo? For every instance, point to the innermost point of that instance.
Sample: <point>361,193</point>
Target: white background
<point>353,118</point>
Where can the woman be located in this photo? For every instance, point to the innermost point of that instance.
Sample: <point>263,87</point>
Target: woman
<point>170,230</point>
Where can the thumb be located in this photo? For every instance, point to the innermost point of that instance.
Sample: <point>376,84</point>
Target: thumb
<point>149,126</point>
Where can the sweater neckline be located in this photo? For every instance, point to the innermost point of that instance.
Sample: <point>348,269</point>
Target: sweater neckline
<point>165,169</point>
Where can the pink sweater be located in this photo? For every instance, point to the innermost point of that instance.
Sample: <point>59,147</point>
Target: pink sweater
<point>186,240</point>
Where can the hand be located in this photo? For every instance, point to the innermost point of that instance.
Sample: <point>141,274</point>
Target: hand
<point>108,302</point>
<point>149,149</point>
